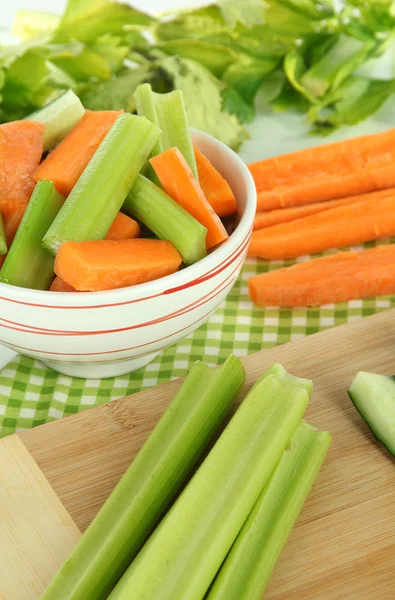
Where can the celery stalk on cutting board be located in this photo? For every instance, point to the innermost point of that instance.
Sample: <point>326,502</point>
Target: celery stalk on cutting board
<point>27,263</point>
<point>250,563</point>
<point>95,200</point>
<point>169,113</point>
<point>183,555</point>
<point>151,483</point>
<point>3,241</point>
<point>59,117</point>
<point>167,219</point>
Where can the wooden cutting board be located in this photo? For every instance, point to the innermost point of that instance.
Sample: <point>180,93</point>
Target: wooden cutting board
<point>53,479</point>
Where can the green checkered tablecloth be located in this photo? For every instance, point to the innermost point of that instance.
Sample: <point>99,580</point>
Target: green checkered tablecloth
<point>31,394</point>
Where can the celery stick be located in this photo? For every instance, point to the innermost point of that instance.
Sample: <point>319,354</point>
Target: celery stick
<point>167,219</point>
<point>94,202</point>
<point>145,104</point>
<point>27,263</point>
<point>3,241</point>
<point>151,483</point>
<point>183,555</point>
<point>146,107</point>
<point>250,563</point>
<point>59,117</point>
<point>168,112</point>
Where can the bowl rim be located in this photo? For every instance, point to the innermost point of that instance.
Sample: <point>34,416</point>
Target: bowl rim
<point>163,285</point>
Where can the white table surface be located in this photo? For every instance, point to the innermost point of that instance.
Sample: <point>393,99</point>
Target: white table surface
<point>270,134</point>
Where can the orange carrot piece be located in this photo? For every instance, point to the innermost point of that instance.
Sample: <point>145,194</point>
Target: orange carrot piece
<point>336,278</point>
<point>108,264</point>
<point>176,177</point>
<point>21,148</point>
<point>11,223</point>
<point>371,218</point>
<point>284,215</point>
<point>215,188</point>
<point>123,228</point>
<point>59,285</point>
<point>327,172</point>
<point>64,165</point>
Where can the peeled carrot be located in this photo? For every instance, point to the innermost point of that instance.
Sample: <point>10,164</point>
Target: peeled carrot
<point>108,264</point>
<point>336,278</point>
<point>177,179</point>
<point>11,223</point>
<point>65,164</point>
<point>284,215</point>
<point>215,188</point>
<point>21,147</point>
<point>371,218</point>
<point>123,228</point>
<point>59,285</point>
<point>337,170</point>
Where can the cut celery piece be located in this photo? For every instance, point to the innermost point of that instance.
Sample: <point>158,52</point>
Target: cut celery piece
<point>167,219</point>
<point>59,117</point>
<point>169,113</point>
<point>95,200</point>
<point>3,241</point>
<point>146,107</point>
<point>151,483</point>
<point>250,563</point>
<point>27,263</point>
<point>182,557</point>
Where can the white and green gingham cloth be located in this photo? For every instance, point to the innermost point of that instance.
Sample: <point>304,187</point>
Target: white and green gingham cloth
<point>31,394</point>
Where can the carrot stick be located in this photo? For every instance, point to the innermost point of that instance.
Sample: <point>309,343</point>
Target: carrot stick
<point>11,223</point>
<point>337,170</point>
<point>336,278</point>
<point>64,166</point>
<point>284,215</point>
<point>108,264</point>
<point>176,177</point>
<point>21,147</point>
<point>59,285</point>
<point>123,228</point>
<point>371,218</point>
<point>216,189</point>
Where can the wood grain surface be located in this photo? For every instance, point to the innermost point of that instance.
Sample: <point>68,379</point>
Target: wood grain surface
<point>36,532</point>
<point>343,546</point>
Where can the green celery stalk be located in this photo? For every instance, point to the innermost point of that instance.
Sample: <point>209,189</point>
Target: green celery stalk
<point>338,63</point>
<point>151,483</point>
<point>95,200</point>
<point>59,117</point>
<point>250,563</point>
<point>146,107</point>
<point>182,557</point>
<point>3,241</point>
<point>144,98</point>
<point>167,219</point>
<point>27,263</point>
<point>168,112</point>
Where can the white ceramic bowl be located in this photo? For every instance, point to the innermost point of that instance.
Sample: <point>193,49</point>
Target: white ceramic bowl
<point>104,334</point>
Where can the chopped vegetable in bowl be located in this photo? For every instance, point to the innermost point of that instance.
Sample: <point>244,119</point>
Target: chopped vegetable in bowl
<point>74,225</point>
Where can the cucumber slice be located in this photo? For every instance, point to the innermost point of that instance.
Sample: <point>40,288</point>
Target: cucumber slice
<point>59,117</point>
<point>374,398</point>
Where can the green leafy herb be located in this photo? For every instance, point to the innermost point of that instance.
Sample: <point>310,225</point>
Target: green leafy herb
<point>223,56</point>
